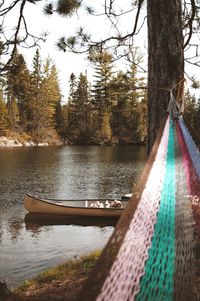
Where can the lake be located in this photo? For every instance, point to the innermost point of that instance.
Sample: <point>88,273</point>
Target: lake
<point>57,172</point>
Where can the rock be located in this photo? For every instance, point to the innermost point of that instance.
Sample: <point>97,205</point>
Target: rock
<point>31,143</point>
<point>3,139</point>
<point>9,142</point>
<point>43,144</point>
<point>4,291</point>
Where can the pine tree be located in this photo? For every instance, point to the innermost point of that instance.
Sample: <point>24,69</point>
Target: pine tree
<point>18,77</point>
<point>80,109</point>
<point>50,92</point>
<point>82,99</point>
<point>72,87</point>
<point>36,124</point>
<point>65,123</point>
<point>129,107</point>
<point>105,133</point>
<point>103,73</point>
<point>59,118</point>
<point>3,115</point>
<point>13,77</point>
<point>190,108</point>
<point>13,114</point>
<point>71,109</point>
<point>45,93</point>
<point>137,105</point>
<point>120,109</point>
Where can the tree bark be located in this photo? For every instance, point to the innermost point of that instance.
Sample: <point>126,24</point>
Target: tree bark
<point>165,59</point>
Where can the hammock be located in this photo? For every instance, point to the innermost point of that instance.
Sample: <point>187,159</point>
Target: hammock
<point>152,254</point>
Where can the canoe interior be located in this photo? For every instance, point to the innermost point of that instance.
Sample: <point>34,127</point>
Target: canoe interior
<point>86,203</point>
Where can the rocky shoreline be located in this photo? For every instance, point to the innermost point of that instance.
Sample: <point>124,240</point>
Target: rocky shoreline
<point>10,142</point>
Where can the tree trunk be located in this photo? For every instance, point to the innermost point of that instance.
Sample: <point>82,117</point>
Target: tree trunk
<point>165,60</point>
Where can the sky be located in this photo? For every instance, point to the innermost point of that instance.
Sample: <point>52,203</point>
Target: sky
<point>58,26</point>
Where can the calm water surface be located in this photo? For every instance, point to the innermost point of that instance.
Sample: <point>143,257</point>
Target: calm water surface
<point>57,172</point>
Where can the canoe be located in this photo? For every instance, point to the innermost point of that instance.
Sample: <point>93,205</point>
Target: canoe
<point>126,196</point>
<point>88,207</point>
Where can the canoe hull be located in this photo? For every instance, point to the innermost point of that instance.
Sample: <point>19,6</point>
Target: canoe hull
<point>70,207</point>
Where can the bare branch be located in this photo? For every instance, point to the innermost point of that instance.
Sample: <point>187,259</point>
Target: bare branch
<point>140,2</point>
<point>190,22</point>
<point>9,8</point>
<point>82,42</point>
<point>9,44</point>
<point>15,41</point>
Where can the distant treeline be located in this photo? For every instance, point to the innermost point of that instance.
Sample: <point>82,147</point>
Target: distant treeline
<point>112,110</point>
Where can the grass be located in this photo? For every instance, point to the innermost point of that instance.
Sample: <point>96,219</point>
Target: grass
<point>71,267</point>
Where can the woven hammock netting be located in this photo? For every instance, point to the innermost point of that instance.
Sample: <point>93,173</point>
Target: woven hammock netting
<point>158,257</point>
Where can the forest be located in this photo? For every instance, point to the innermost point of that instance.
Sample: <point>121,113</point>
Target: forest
<point>111,110</point>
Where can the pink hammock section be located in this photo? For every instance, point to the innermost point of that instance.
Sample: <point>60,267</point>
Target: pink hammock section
<point>153,252</point>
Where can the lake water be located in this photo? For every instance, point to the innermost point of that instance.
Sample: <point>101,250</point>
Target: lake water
<point>57,172</point>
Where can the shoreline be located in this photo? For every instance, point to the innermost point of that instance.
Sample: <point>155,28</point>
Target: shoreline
<point>6,142</point>
<point>62,282</point>
<point>9,142</point>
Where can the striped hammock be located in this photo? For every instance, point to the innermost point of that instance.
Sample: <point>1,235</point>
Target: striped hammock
<point>152,254</point>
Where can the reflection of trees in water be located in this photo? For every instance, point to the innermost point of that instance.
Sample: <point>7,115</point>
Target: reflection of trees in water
<point>1,233</point>
<point>35,229</point>
<point>12,228</point>
<point>36,222</point>
<point>15,228</point>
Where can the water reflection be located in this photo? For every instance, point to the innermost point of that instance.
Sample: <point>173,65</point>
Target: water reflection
<point>15,229</point>
<point>27,247</point>
<point>34,221</point>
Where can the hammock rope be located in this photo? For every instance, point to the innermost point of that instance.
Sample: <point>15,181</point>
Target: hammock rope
<point>156,259</point>
<point>157,281</point>
<point>184,242</point>
<point>134,249</point>
<point>192,148</point>
<point>173,108</point>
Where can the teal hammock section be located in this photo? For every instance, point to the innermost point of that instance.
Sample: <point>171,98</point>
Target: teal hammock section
<point>157,282</point>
